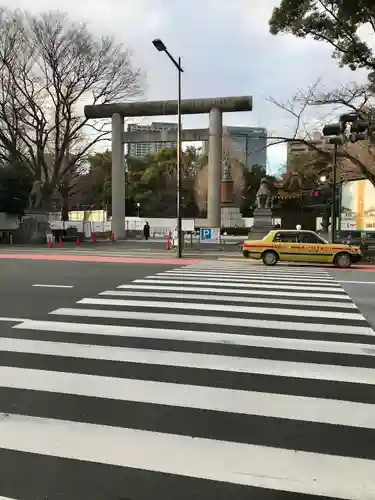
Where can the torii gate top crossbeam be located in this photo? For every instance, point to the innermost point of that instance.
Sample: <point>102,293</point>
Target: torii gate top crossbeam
<point>159,108</point>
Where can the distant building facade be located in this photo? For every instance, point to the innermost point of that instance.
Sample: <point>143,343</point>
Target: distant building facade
<point>142,149</point>
<point>297,148</point>
<point>249,143</point>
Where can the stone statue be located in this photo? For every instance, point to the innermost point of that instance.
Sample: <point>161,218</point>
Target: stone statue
<point>35,195</point>
<point>263,195</point>
<point>227,174</point>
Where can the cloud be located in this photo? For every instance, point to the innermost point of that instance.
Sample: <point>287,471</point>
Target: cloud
<point>226,49</point>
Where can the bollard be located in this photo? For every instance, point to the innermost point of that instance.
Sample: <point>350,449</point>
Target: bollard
<point>78,241</point>
<point>93,236</point>
<point>59,244</point>
<point>113,236</point>
<point>50,243</point>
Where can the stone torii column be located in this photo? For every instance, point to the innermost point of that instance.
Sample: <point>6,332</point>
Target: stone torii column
<point>215,134</point>
<point>118,177</point>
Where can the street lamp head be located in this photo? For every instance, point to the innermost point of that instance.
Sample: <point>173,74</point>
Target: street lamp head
<point>159,45</point>
<point>323,178</point>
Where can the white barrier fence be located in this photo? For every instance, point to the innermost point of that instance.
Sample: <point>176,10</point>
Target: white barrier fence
<point>158,226</point>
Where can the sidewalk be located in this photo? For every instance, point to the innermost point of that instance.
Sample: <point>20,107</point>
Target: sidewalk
<point>118,250</point>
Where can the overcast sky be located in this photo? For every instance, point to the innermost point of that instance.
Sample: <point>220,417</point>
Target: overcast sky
<point>226,50</point>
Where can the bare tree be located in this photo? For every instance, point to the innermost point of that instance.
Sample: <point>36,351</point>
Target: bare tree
<point>355,159</point>
<point>49,68</point>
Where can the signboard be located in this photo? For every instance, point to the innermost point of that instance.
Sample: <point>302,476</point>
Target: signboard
<point>209,235</point>
<point>358,206</point>
<point>348,223</point>
<point>188,224</point>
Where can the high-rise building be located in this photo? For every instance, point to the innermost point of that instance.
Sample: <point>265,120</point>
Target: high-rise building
<point>249,145</point>
<point>141,149</point>
<point>297,148</point>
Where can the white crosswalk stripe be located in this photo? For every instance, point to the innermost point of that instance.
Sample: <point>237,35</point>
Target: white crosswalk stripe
<point>214,380</point>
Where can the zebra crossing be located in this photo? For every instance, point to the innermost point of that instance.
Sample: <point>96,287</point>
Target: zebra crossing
<point>206,381</point>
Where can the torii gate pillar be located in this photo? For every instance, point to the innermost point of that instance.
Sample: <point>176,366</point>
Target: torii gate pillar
<point>215,133</point>
<point>118,177</point>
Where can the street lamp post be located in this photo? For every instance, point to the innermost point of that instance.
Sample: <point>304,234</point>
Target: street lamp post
<point>160,46</point>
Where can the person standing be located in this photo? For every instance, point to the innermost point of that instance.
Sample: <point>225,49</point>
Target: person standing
<point>146,231</point>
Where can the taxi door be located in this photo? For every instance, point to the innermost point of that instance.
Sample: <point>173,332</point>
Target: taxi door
<point>313,249</point>
<point>288,246</point>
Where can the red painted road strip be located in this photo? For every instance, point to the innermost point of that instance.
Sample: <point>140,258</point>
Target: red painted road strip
<point>90,258</point>
<point>362,268</point>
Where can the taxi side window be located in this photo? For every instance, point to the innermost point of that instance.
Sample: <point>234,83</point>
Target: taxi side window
<point>285,237</point>
<point>309,238</point>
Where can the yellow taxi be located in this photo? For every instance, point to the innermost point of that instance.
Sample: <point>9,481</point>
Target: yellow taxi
<point>300,246</point>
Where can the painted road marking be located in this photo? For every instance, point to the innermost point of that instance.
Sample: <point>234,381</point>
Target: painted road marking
<point>224,279</point>
<point>230,298</point>
<point>234,275</point>
<point>344,297</point>
<point>12,320</point>
<point>262,466</point>
<point>335,288</point>
<point>273,311</point>
<point>213,362</point>
<point>54,286</point>
<point>89,258</point>
<point>216,320</point>
<point>199,336</point>
<point>336,412</point>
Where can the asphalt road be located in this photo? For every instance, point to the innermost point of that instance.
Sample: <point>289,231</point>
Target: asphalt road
<point>19,298</point>
<point>360,285</point>
<point>218,380</point>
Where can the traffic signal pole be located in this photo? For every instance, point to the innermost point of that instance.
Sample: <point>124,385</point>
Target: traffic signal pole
<point>339,134</point>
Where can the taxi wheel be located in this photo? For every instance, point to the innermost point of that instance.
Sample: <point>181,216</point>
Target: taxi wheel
<point>270,258</point>
<point>343,260</point>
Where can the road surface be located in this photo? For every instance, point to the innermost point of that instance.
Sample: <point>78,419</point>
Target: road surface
<point>216,380</point>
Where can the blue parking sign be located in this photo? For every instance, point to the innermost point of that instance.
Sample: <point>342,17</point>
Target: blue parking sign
<point>209,235</point>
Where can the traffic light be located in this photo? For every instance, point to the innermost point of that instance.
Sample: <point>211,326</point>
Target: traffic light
<point>358,130</point>
<point>332,129</point>
<point>338,132</point>
<point>349,118</point>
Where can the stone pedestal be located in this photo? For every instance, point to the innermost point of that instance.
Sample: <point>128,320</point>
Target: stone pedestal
<point>231,217</point>
<point>33,228</point>
<point>262,223</point>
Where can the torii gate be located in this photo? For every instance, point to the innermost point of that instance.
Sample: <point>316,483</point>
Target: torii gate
<point>117,112</point>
